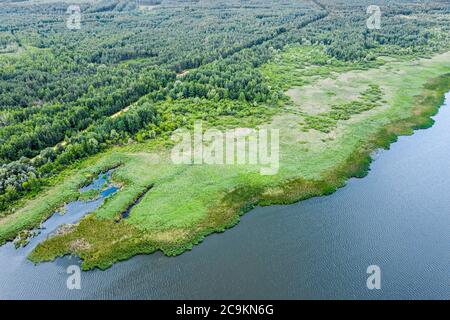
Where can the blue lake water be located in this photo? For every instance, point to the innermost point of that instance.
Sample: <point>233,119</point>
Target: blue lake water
<point>398,218</point>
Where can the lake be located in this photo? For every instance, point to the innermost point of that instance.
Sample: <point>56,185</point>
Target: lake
<point>397,218</point>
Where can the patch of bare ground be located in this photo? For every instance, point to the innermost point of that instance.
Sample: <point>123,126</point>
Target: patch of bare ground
<point>64,229</point>
<point>182,73</point>
<point>115,115</point>
<point>79,244</point>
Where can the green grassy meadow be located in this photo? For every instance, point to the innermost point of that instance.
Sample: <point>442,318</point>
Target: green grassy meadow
<point>335,116</point>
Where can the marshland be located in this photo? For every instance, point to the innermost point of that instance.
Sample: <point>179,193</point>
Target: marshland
<point>108,98</point>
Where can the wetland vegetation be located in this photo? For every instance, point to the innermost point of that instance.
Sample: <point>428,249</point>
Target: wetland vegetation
<point>77,103</point>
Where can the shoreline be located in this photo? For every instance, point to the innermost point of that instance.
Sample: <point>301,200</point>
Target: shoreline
<point>356,166</point>
<point>239,201</point>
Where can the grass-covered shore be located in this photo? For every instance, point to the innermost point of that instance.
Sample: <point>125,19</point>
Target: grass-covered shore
<point>186,203</point>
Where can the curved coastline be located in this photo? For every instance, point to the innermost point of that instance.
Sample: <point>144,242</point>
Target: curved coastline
<point>241,200</point>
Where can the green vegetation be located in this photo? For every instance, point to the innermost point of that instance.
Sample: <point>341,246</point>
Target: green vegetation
<point>23,238</point>
<point>89,195</point>
<point>76,103</point>
<point>325,122</point>
<point>176,213</point>
<point>297,65</point>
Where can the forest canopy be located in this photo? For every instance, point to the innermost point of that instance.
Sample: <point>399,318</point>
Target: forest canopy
<point>167,61</point>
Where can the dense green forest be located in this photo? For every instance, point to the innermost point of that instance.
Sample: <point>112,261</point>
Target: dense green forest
<point>170,61</point>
